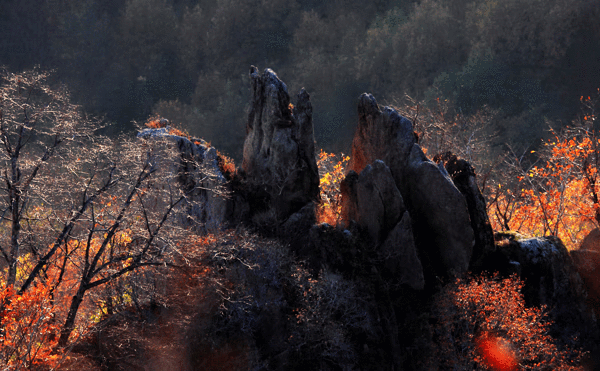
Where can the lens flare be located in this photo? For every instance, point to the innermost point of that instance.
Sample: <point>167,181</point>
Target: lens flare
<point>496,353</point>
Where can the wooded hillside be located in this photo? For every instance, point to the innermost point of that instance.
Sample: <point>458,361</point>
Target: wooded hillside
<point>521,61</point>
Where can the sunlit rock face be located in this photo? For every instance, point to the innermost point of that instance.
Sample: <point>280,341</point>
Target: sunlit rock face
<point>279,156</point>
<point>381,134</point>
<point>194,164</point>
<point>440,218</point>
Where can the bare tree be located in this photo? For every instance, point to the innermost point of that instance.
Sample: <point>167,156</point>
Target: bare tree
<point>82,210</point>
<point>35,121</point>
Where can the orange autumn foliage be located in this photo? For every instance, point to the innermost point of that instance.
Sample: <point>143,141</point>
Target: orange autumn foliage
<point>158,123</point>
<point>484,324</point>
<point>556,198</point>
<point>560,195</point>
<point>226,165</point>
<point>332,172</point>
<point>29,329</point>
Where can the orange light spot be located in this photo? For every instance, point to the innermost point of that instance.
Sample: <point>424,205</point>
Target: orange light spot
<point>496,353</point>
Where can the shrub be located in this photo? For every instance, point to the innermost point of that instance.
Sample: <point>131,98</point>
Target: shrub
<point>483,324</point>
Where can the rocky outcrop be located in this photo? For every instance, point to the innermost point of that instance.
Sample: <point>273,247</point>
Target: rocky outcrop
<point>196,169</point>
<point>440,218</point>
<point>279,164</point>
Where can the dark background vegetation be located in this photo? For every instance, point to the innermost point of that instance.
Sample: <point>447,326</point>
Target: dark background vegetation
<point>525,61</point>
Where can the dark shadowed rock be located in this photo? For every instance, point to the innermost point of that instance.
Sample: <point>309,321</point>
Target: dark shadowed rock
<point>551,279</point>
<point>330,247</point>
<point>295,229</point>
<point>375,202</point>
<point>588,266</point>
<point>398,256</point>
<point>464,178</point>
<point>349,198</point>
<point>278,151</point>
<point>587,261</point>
<point>372,200</point>
<point>441,220</point>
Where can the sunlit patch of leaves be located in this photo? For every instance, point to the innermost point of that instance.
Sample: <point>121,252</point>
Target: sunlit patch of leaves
<point>559,194</point>
<point>483,324</point>
<point>332,169</point>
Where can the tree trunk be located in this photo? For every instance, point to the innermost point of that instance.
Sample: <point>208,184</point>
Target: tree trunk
<point>14,238</point>
<point>69,325</point>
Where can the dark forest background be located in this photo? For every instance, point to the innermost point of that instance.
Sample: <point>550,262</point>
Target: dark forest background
<point>526,63</point>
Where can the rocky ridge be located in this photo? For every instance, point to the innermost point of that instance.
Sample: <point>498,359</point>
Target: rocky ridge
<point>409,224</point>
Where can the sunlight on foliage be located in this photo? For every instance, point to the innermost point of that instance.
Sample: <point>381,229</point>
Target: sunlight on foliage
<point>159,123</point>
<point>226,164</point>
<point>331,171</point>
<point>559,195</point>
<point>29,329</point>
<point>485,325</point>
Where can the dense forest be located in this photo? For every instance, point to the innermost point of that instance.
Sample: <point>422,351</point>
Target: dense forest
<point>523,63</point>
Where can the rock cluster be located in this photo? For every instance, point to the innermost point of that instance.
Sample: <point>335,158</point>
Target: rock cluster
<point>408,224</point>
<point>385,147</point>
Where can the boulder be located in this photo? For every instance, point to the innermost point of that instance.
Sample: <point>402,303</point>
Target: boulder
<point>398,256</point>
<point>195,166</point>
<point>464,178</point>
<point>373,201</point>
<point>551,279</point>
<point>587,261</point>
<point>441,220</point>
<point>279,157</point>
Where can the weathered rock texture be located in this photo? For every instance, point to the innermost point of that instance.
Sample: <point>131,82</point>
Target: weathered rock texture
<point>279,156</point>
<point>381,135</point>
<point>464,178</point>
<point>440,218</point>
<point>374,202</point>
<point>197,171</point>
